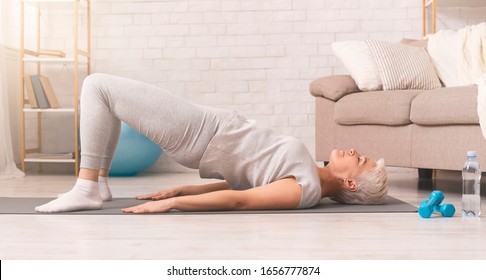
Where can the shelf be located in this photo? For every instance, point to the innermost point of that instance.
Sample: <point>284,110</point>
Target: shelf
<point>52,1</point>
<point>456,3</point>
<point>46,160</point>
<point>61,60</point>
<point>58,110</point>
<point>61,4</point>
<point>39,157</point>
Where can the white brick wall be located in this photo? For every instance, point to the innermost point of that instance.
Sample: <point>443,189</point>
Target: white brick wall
<point>255,56</point>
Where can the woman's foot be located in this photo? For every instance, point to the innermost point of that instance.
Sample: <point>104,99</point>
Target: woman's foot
<point>103,188</point>
<point>83,196</point>
<point>105,192</point>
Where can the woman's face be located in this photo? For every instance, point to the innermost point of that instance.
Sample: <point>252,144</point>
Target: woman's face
<point>349,164</point>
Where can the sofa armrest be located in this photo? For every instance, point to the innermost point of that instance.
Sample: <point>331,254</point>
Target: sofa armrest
<point>333,87</point>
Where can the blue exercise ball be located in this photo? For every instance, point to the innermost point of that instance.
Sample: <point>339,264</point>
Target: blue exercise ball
<point>134,153</point>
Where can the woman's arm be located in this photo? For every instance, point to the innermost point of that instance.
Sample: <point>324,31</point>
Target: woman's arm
<point>200,189</point>
<point>186,190</point>
<point>282,194</point>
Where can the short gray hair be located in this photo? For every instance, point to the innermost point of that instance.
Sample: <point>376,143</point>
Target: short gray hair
<point>372,187</point>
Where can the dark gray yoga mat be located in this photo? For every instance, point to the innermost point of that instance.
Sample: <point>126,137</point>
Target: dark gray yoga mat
<point>26,205</point>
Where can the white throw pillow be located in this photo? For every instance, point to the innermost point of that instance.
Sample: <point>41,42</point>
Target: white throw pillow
<point>358,60</point>
<point>403,67</point>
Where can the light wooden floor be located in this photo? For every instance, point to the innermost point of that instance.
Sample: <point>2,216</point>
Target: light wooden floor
<point>236,236</point>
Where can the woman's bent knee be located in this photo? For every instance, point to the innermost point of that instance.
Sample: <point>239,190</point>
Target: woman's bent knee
<point>93,86</point>
<point>94,80</point>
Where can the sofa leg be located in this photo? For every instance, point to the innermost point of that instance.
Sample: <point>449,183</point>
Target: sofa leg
<point>425,173</point>
<point>426,178</point>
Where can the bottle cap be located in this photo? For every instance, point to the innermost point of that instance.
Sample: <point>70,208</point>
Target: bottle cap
<point>471,153</point>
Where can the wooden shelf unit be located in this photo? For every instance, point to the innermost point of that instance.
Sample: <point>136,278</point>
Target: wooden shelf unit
<point>433,4</point>
<point>75,61</point>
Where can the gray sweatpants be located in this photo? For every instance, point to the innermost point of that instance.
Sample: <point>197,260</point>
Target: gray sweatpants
<point>182,129</point>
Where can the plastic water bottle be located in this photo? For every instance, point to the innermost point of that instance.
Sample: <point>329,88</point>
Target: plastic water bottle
<point>471,185</point>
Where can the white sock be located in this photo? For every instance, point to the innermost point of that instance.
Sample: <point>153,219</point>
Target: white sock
<point>83,196</point>
<point>105,192</point>
<point>103,188</point>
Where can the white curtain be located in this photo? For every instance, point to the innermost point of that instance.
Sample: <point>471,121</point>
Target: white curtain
<point>8,169</point>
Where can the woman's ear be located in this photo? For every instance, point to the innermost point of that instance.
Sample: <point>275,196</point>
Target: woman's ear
<point>350,185</point>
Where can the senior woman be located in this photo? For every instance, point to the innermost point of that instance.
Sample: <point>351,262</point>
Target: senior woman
<point>260,169</point>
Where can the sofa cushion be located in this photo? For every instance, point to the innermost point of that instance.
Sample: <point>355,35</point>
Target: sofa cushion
<point>333,87</point>
<point>375,107</point>
<point>445,106</point>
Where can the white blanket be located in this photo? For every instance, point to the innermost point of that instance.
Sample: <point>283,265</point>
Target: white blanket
<point>482,104</point>
<point>459,57</point>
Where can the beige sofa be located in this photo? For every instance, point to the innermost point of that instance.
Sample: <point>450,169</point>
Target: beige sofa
<point>425,129</point>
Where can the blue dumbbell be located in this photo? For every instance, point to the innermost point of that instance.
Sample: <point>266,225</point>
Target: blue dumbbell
<point>427,207</point>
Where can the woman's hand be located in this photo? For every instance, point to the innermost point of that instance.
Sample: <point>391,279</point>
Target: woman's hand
<point>163,194</point>
<point>161,206</point>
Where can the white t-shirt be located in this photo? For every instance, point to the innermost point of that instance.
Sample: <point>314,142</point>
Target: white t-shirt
<point>248,156</point>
